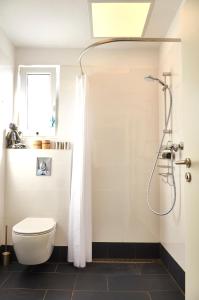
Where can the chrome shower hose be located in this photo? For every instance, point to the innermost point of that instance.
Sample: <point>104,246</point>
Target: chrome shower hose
<point>155,164</point>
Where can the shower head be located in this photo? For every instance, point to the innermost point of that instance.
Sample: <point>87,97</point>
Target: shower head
<point>151,78</point>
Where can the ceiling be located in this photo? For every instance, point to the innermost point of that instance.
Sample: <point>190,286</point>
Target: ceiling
<point>66,23</point>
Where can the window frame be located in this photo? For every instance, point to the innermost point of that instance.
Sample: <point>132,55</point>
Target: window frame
<point>22,115</point>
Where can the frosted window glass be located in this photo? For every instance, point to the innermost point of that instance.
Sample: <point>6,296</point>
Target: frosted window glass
<point>39,100</point>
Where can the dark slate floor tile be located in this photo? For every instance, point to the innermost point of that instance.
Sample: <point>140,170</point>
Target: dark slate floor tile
<point>162,283</point>
<point>21,294</point>
<point>40,280</point>
<point>110,296</point>
<point>167,296</point>
<point>15,266</point>
<point>110,268</point>
<point>47,267</point>
<point>127,282</point>
<point>3,277</point>
<point>67,268</point>
<point>91,282</point>
<point>142,283</point>
<point>58,295</point>
<point>152,268</point>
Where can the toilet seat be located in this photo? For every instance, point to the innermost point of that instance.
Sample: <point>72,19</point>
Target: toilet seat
<point>34,226</point>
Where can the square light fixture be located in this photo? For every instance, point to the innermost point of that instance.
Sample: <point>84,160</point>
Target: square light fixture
<point>119,19</point>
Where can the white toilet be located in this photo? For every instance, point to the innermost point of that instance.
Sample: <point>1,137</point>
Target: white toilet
<point>33,240</point>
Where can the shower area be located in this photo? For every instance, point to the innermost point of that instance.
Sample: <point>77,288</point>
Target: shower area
<point>124,138</point>
<point>132,155</point>
<point>135,152</point>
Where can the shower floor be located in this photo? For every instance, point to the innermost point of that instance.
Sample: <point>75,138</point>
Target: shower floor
<point>102,280</point>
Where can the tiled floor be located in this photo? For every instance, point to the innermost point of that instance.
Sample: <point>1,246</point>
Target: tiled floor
<point>98,281</point>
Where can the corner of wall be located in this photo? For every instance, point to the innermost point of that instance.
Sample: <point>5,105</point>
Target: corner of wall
<point>7,53</point>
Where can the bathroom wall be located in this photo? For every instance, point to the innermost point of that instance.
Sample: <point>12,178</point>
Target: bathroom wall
<point>28,195</point>
<point>124,138</point>
<point>172,227</point>
<point>6,101</point>
<point>124,111</point>
<point>116,59</point>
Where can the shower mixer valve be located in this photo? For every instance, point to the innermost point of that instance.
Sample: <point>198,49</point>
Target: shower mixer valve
<point>173,147</point>
<point>167,154</point>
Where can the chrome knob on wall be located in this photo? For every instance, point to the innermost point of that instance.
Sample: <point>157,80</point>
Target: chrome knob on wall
<point>188,177</point>
<point>186,161</point>
<point>177,147</point>
<point>171,146</point>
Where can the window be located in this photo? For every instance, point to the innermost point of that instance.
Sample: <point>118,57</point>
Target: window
<point>37,98</point>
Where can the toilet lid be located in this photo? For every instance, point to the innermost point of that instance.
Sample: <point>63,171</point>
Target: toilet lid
<point>34,226</point>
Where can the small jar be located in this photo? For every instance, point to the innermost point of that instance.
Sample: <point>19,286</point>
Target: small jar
<point>37,144</point>
<point>46,144</point>
<point>57,145</point>
<point>65,145</point>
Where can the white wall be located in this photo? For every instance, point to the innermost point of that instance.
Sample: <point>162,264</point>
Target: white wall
<point>116,60</point>
<point>124,137</point>
<point>28,195</point>
<point>6,103</point>
<point>172,226</point>
<point>124,114</point>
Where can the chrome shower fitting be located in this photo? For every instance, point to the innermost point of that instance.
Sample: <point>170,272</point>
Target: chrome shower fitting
<point>177,147</point>
<point>171,146</point>
<point>169,153</point>
<point>166,74</point>
<point>152,78</point>
<point>169,131</point>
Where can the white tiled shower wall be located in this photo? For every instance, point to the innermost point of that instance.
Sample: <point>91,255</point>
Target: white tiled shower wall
<point>124,110</point>
<point>124,138</point>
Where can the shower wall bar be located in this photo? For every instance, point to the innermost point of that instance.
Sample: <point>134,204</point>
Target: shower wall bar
<point>133,39</point>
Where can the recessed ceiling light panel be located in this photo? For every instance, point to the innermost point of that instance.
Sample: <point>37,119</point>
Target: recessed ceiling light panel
<point>119,19</point>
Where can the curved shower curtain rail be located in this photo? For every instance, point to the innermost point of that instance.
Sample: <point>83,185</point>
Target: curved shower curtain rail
<point>132,39</point>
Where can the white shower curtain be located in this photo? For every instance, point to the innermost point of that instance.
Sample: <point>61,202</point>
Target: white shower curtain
<point>80,233</point>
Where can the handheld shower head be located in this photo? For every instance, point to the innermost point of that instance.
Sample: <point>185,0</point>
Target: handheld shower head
<point>151,78</point>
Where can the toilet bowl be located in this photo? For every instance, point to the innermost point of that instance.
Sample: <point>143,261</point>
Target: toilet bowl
<point>33,240</point>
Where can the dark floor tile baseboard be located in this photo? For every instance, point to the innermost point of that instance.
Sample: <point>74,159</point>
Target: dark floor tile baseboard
<point>108,251</point>
<point>126,250</point>
<point>102,250</point>
<point>174,269</point>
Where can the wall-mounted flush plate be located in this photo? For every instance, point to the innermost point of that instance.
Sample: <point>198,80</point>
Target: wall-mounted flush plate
<point>43,166</point>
